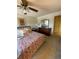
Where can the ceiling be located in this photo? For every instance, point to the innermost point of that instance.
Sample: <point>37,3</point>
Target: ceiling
<point>44,7</point>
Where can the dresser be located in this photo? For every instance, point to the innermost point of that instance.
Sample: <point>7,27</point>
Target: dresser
<point>46,31</point>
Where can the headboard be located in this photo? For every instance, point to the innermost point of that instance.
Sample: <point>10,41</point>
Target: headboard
<point>21,27</point>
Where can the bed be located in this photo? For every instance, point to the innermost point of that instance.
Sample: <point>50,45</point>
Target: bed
<point>29,44</point>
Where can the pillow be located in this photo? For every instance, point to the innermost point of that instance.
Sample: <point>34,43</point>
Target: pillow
<point>26,31</point>
<point>28,28</point>
<point>19,33</point>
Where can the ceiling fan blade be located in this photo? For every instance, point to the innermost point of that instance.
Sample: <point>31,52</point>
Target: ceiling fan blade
<point>24,3</point>
<point>33,9</point>
<point>19,6</point>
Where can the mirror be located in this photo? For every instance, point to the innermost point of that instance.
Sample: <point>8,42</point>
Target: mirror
<point>45,23</point>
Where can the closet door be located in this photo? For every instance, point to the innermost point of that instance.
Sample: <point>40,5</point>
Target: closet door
<point>57,25</point>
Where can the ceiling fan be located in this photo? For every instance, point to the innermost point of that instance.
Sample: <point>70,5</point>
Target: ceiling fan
<point>24,4</point>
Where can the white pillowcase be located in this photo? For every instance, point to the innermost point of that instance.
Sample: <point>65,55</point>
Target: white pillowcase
<point>20,33</point>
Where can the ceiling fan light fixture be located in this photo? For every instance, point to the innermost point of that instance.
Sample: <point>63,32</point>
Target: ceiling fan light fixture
<point>24,11</point>
<point>24,5</point>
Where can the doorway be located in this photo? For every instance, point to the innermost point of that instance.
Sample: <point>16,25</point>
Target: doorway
<point>57,25</point>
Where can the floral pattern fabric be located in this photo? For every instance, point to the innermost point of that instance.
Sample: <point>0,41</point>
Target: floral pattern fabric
<point>29,43</point>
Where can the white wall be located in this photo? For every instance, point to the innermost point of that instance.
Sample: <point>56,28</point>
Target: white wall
<point>50,17</point>
<point>20,13</point>
<point>30,20</point>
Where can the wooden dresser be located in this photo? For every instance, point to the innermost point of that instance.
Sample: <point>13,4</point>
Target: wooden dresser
<point>46,31</point>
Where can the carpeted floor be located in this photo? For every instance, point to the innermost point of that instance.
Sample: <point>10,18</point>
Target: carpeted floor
<point>51,49</point>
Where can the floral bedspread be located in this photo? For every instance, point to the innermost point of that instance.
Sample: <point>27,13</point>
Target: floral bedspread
<point>27,41</point>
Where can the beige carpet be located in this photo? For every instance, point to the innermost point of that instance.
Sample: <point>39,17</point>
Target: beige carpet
<point>51,49</point>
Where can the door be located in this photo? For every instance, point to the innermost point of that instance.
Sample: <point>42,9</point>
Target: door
<point>57,25</point>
